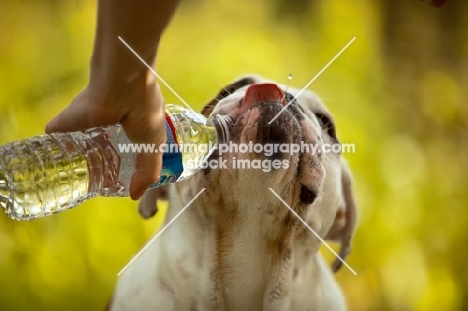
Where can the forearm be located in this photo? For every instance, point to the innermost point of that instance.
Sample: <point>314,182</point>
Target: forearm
<point>140,23</point>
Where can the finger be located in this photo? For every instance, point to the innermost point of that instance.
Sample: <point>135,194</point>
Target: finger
<point>83,113</point>
<point>72,118</point>
<point>148,170</point>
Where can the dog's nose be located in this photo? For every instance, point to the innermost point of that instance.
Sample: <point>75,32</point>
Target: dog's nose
<point>257,93</point>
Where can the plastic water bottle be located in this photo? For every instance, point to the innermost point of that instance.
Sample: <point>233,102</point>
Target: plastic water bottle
<point>47,174</point>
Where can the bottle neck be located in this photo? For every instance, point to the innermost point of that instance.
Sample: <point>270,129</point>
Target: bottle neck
<point>222,124</point>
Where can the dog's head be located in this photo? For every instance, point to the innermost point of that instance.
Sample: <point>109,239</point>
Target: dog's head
<point>270,121</point>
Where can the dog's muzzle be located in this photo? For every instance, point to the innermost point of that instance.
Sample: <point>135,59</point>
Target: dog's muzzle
<point>262,103</point>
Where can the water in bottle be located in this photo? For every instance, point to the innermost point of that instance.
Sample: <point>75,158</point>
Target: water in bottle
<point>47,174</point>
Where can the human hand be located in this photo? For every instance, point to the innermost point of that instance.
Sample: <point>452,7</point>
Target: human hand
<point>137,105</point>
<point>121,89</point>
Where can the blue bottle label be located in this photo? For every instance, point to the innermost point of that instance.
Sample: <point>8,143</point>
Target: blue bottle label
<point>172,166</point>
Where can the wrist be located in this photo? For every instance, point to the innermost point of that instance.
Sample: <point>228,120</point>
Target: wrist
<point>115,64</point>
<point>117,72</point>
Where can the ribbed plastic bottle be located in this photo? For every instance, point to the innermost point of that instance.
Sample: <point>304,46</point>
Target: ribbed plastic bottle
<point>47,174</point>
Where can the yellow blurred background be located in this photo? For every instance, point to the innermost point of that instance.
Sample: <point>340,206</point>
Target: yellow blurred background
<point>399,93</point>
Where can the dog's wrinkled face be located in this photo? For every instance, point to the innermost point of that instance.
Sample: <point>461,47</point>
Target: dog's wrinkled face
<point>252,107</point>
<point>316,185</point>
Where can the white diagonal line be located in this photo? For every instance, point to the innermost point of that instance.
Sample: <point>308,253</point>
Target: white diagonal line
<point>155,73</point>
<point>312,230</point>
<point>313,79</point>
<point>160,232</point>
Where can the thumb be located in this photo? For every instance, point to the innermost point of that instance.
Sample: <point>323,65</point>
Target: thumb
<point>148,172</point>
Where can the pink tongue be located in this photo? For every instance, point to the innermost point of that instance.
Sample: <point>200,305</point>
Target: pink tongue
<point>257,93</point>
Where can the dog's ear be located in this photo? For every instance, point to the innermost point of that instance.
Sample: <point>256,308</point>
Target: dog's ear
<point>346,217</point>
<point>227,90</point>
<point>148,205</point>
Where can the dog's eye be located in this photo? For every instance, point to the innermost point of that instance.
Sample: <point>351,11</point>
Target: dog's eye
<point>326,124</point>
<point>307,196</point>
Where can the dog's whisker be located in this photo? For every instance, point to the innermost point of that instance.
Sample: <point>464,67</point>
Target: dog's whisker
<point>290,76</point>
<point>238,71</point>
<point>287,86</point>
<point>221,85</point>
<point>234,76</point>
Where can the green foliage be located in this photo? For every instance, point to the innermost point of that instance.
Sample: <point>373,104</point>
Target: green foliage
<point>398,93</point>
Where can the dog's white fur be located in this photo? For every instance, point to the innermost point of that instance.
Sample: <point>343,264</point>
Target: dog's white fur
<point>237,247</point>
